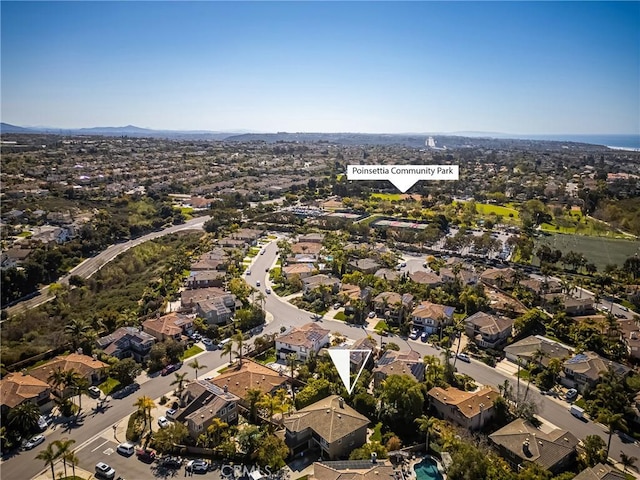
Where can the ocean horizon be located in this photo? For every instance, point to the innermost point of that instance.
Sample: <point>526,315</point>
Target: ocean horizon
<point>627,142</point>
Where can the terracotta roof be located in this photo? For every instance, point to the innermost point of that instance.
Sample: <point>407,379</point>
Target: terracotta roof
<point>15,388</point>
<point>191,297</point>
<point>432,310</point>
<point>251,375</point>
<point>311,248</point>
<point>327,419</point>
<point>353,470</point>
<point>467,403</point>
<point>83,364</point>
<point>489,324</point>
<point>298,268</point>
<point>526,347</point>
<point>305,336</point>
<point>170,324</point>
<point>425,278</point>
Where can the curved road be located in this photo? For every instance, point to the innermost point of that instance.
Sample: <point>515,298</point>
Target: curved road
<point>281,313</point>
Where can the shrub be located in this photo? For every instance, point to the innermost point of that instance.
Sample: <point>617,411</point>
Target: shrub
<point>135,427</point>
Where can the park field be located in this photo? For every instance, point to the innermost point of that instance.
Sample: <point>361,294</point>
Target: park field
<point>600,251</point>
<point>488,209</point>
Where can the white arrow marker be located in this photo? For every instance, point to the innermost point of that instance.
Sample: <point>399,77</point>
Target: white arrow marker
<point>342,360</point>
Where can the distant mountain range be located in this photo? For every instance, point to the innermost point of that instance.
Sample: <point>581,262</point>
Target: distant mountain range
<point>415,140</point>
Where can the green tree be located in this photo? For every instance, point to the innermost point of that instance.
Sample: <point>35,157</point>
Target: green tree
<point>272,452</point>
<point>627,460</point>
<point>216,432</point>
<point>253,396</point>
<point>179,380</point>
<point>197,366</point>
<point>49,456</point>
<point>365,451</point>
<point>125,371</point>
<point>63,447</point>
<point>612,421</point>
<point>533,471</point>
<point>402,397</point>
<point>145,405</point>
<point>238,339</point>
<point>249,438</point>
<point>166,439</point>
<point>594,450</point>
<point>468,463</point>
<point>426,425</point>
<point>24,418</point>
<point>78,331</point>
<point>227,349</point>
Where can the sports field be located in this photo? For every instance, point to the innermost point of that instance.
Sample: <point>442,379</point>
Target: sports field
<point>488,209</point>
<point>601,251</point>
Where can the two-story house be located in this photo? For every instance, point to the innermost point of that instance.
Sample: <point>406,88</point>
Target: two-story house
<point>173,325</point>
<point>398,363</point>
<point>320,280</point>
<point>205,278</point>
<point>488,331</point>
<point>127,342</point>
<point>90,368</point>
<point>538,349</point>
<point>302,341</point>
<point>330,425</point>
<point>585,369</point>
<point>470,410</point>
<point>431,317</point>
<point>19,388</point>
<point>393,305</point>
<point>201,402</point>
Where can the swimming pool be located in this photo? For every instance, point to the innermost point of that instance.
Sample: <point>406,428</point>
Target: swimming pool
<point>427,469</point>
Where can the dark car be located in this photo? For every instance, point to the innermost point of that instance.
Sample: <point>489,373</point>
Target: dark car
<point>171,462</point>
<point>146,455</point>
<point>168,369</point>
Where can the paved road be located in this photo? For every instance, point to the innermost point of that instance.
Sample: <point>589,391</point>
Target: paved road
<point>93,264</point>
<point>93,425</point>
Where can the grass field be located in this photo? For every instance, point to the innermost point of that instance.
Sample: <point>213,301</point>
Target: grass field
<point>598,250</point>
<point>487,209</point>
<point>390,197</point>
<point>191,351</point>
<point>109,385</point>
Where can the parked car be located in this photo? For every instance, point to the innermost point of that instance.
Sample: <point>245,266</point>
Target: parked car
<point>34,442</point>
<point>207,342</point>
<point>171,462</point>
<point>424,336</point>
<point>577,412</point>
<point>337,306</point>
<point>128,390</point>
<point>464,357</point>
<point>163,422</point>
<point>258,283</point>
<point>261,252</point>
<point>168,369</point>
<point>414,334</point>
<point>571,394</point>
<point>267,290</point>
<point>372,314</point>
<point>171,412</point>
<point>127,449</point>
<point>248,272</point>
<point>43,423</point>
<point>94,392</point>
<point>146,455</point>
<point>104,471</point>
<point>197,466</point>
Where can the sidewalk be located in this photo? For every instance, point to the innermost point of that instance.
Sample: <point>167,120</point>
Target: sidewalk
<point>59,470</point>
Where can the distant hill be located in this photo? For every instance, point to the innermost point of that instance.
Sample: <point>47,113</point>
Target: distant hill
<point>8,128</point>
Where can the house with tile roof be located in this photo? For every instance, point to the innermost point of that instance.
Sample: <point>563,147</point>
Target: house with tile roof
<point>393,305</point>
<point>426,278</point>
<point>251,375</point>
<point>201,402</point>
<point>205,278</point>
<point>470,410</point>
<point>585,369</point>
<point>354,470</point>
<point>398,363</point>
<point>527,348</point>
<point>302,341</point>
<point>303,270</point>
<point>520,441</point>
<point>600,472</point>
<point>19,388</point>
<point>319,280</point>
<point>172,325</point>
<point>88,367</point>
<point>488,331</point>
<point>127,342</point>
<point>498,277</point>
<point>329,425</point>
<point>431,317</point>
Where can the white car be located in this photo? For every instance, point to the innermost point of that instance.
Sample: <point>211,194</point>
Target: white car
<point>207,342</point>
<point>94,391</point>
<point>104,471</point>
<point>163,422</point>
<point>197,466</point>
<point>372,314</point>
<point>258,283</point>
<point>34,442</point>
<point>267,290</point>
<point>127,449</point>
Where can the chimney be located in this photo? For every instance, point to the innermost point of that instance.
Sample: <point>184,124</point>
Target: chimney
<point>341,402</point>
<point>374,457</point>
<point>225,388</point>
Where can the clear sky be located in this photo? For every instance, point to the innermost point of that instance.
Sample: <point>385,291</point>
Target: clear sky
<point>510,67</point>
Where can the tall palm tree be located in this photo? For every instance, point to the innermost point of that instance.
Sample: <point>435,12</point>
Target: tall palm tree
<point>253,396</point>
<point>612,421</point>
<point>63,447</point>
<point>292,358</point>
<point>57,379</point>
<point>238,339</point>
<point>77,329</point>
<point>536,357</point>
<point>81,387</point>
<point>49,456</point>
<point>72,459</point>
<point>24,417</point>
<point>458,328</point>
<point>197,366</point>
<point>227,349</point>
<point>180,379</point>
<point>272,404</point>
<point>426,425</point>
<point>145,405</point>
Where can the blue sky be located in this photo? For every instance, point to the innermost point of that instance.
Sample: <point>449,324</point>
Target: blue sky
<point>511,67</point>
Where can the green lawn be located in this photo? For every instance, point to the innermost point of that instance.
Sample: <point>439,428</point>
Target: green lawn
<point>601,251</point>
<point>191,351</point>
<point>391,197</point>
<point>381,325</point>
<point>376,436</point>
<point>488,209</point>
<point>109,385</point>
<point>340,316</point>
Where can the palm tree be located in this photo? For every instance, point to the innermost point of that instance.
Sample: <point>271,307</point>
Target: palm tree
<point>57,379</point>
<point>77,329</point>
<point>627,460</point>
<point>253,396</point>
<point>72,459</point>
<point>272,404</point>
<point>426,425</point>
<point>292,358</point>
<point>458,327</point>
<point>536,357</point>
<point>180,378</point>
<point>145,405</point>
<point>81,386</point>
<point>227,348</point>
<point>238,339</point>
<point>197,366</point>
<point>24,417</point>
<point>612,421</point>
<point>49,456</point>
<point>63,449</point>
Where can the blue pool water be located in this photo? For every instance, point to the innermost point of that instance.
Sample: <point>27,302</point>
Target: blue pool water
<point>427,470</point>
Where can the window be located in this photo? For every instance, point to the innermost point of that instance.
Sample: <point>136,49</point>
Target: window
<point>223,411</point>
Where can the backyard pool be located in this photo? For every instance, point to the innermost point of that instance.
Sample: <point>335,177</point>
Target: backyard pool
<point>427,469</point>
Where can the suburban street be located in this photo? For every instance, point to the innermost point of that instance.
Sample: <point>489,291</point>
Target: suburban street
<point>95,428</point>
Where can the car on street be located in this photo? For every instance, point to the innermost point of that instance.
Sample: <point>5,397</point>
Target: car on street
<point>414,334</point>
<point>163,422</point>
<point>128,390</point>
<point>464,357</point>
<point>372,314</point>
<point>336,306</point>
<point>267,290</point>
<point>197,466</point>
<point>168,369</point>
<point>94,391</point>
<point>207,342</point>
<point>258,283</point>
<point>248,272</point>
<point>127,449</point>
<point>104,471</point>
<point>171,412</point>
<point>261,252</point>
<point>571,394</point>
<point>266,269</point>
<point>171,462</point>
<point>424,336</point>
<point>34,442</point>
<point>43,423</point>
